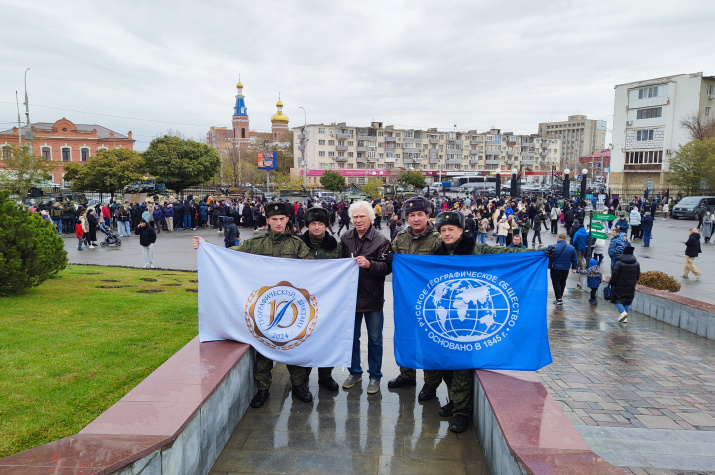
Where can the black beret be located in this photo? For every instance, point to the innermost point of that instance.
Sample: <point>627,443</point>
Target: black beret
<point>455,218</point>
<point>275,208</point>
<point>417,203</point>
<point>317,214</point>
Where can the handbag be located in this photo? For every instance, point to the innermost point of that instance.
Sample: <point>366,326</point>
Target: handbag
<point>607,292</point>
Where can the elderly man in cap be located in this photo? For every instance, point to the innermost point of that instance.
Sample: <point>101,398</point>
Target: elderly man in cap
<point>322,246</point>
<point>455,242</point>
<point>371,251</point>
<point>423,239</point>
<point>276,242</point>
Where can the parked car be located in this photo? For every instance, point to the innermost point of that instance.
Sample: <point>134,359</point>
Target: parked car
<point>687,207</point>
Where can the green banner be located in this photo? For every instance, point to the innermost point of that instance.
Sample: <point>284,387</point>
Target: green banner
<point>596,226</point>
<point>597,235</point>
<point>603,217</point>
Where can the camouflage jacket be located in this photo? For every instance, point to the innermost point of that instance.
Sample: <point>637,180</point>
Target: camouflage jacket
<point>487,249</point>
<point>329,248</point>
<point>275,245</point>
<point>424,244</point>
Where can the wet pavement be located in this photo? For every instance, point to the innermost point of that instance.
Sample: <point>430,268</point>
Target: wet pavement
<point>641,394</point>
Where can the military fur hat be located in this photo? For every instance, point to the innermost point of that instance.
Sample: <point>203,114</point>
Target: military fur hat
<point>455,218</point>
<point>275,208</point>
<point>418,203</point>
<point>317,214</point>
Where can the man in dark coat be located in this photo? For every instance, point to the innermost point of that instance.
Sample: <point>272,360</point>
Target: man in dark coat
<point>623,281</point>
<point>692,249</point>
<point>564,258</point>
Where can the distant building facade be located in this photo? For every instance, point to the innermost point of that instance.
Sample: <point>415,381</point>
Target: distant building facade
<point>646,126</point>
<point>359,152</point>
<point>579,136</point>
<point>64,141</point>
<point>598,163</point>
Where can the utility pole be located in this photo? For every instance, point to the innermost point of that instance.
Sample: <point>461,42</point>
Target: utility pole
<point>27,101</point>
<point>305,145</point>
<point>19,123</point>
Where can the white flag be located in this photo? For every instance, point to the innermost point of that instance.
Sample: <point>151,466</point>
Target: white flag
<point>294,311</point>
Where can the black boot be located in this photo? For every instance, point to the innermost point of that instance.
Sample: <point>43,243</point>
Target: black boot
<point>260,398</point>
<point>328,383</point>
<point>400,382</point>
<point>446,410</point>
<point>302,393</point>
<point>459,424</point>
<point>427,393</point>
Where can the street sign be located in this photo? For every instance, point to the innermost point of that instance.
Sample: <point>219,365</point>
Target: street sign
<point>597,235</point>
<point>579,176</point>
<point>597,226</point>
<point>603,217</point>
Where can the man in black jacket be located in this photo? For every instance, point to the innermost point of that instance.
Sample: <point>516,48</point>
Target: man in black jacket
<point>623,281</point>
<point>692,249</point>
<point>371,251</point>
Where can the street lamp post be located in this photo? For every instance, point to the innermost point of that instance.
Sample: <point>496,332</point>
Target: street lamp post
<point>27,101</point>
<point>498,183</point>
<point>513,191</point>
<point>567,189</point>
<point>305,146</point>
<point>583,183</point>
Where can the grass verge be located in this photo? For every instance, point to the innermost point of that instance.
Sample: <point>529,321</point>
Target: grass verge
<point>75,345</point>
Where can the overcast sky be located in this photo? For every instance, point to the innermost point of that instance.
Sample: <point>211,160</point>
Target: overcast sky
<point>153,66</point>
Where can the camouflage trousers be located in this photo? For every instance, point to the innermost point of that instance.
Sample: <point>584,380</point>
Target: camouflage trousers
<point>323,373</point>
<point>263,377</point>
<point>432,377</point>
<point>460,390</point>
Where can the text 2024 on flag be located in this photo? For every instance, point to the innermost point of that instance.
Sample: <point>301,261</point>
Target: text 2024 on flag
<point>462,312</point>
<point>293,311</point>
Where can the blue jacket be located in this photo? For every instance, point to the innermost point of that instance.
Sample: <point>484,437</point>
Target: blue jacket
<point>647,223</point>
<point>623,223</point>
<point>157,214</point>
<point>594,276</point>
<point>580,239</point>
<point>203,211</point>
<point>168,212</point>
<point>564,256</point>
<point>618,244</point>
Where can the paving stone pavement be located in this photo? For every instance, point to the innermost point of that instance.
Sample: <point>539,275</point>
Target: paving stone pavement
<point>642,394</point>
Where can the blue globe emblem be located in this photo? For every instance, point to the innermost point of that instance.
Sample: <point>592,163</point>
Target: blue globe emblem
<point>466,310</point>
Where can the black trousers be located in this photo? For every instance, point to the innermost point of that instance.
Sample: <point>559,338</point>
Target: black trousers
<point>558,281</point>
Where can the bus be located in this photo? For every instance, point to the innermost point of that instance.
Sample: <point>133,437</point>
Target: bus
<point>469,182</point>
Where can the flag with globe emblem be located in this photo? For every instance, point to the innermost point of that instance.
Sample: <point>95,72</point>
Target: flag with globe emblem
<point>463,312</point>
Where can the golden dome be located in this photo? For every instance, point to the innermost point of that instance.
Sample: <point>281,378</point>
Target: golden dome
<point>279,103</point>
<point>240,84</point>
<point>279,117</point>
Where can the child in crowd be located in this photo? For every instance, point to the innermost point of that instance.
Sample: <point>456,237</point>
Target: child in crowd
<point>79,234</point>
<point>594,279</point>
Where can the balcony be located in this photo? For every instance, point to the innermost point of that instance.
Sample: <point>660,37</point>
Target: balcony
<point>412,143</point>
<point>544,153</point>
<point>456,141</point>
<point>474,161</point>
<point>433,141</point>
<point>365,137</point>
<point>490,161</point>
<point>360,159</point>
<point>508,152</point>
<point>372,160</point>
<point>341,148</point>
<point>408,160</point>
<point>454,161</point>
<point>340,159</point>
<point>301,136</point>
<point>390,139</point>
<point>434,160</point>
<point>343,136</point>
<point>390,160</point>
<point>493,153</point>
<point>475,142</point>
<point>412,149</point>
<point>544,144</point>
<point>361,149</point>
<point>642,167</point>
<point>510,162</point>
<point>301,148</point>
<point>528,161</point>
<point>474,152</point>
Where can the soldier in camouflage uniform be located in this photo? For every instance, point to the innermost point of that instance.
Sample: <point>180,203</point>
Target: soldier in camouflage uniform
<point>423,239</point>
<point>276,242</point>
<point>322,246</point>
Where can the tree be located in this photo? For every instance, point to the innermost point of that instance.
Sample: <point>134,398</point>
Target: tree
<point>373,187</point>
<point>181,163</point>
<point>413,178</point>
<point>694,165</point>
<point>23,169</point>
<point>699,128</point>
<point>109,171</point>
<point>332,181</point>
<point>30,248</point>
<point>239,169</point>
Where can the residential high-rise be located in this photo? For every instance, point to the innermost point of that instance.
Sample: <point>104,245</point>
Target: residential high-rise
<point>385,151</point>
<point>647,127</point>
<point>579,136</point>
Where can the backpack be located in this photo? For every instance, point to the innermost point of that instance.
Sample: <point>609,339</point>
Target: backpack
<point>607,292</point>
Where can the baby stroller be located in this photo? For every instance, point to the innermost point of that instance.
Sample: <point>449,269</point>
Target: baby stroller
<point>112,237</point>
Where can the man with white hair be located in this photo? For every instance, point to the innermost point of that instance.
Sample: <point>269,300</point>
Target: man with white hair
<point>371,251</point>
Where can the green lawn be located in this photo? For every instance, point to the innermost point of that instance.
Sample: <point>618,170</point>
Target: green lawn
<point>76,344</point>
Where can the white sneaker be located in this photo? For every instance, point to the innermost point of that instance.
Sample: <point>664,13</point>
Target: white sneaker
<point>151,266</point>
<point>146,265</point>
<point>623,317</point>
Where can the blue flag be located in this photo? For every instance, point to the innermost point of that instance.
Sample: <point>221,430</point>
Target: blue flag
<point>477,311</point>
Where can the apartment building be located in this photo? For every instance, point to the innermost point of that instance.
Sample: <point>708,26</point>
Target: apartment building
<point>579,136</point>
<point>647,130</point>
<point>385,151</point>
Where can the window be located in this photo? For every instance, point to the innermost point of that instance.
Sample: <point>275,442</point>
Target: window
<point>321,130</point>
<point>350,143</point>
<point>66,157</point>
<point>46,153</point>
<point>341,165</point>
<point>350,154</point>
<point>321,153</point>
<point>647,92</point>
<point>350,166</point>
<point>331,142</point>
<point>321,142</point>
<point>644,135</point>
<point>85,154</point>
<point>649,113</point>
<point>711,89</point>
<point>341,154</point>
<point>331,154</point>
<point>6,152</point>
<point>707,112</point>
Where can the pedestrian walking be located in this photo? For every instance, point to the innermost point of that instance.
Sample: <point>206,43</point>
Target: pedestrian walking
<point>147,238</point>
<point>593,279</point>
<point>692,249</point>
<point>623,282</point>
<point>619,241</point>
<point>79,234</point>
<point>647,228</point>
<point>564,258</point>
<point>708,224</point>
<point>666,208</point>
